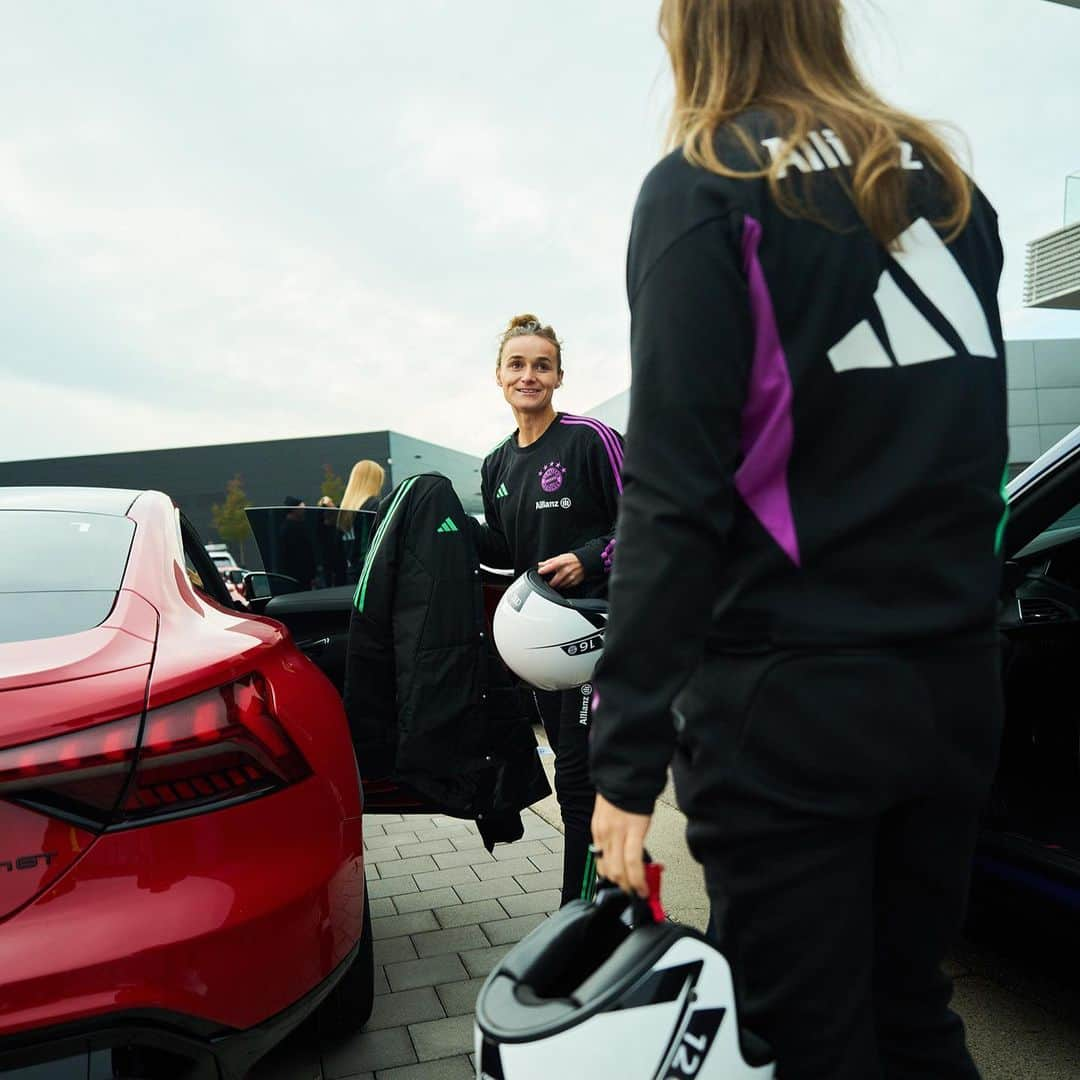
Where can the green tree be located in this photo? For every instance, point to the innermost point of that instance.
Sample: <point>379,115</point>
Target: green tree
<point>229,518</point>
<point>332,485</point>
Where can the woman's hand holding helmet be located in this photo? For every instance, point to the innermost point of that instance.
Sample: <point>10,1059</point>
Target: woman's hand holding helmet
<point>566,571</point>
<point>619,846</point>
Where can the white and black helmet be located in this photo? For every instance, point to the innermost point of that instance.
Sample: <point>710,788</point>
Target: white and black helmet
<point>545,639</point>
<point>586,994</point>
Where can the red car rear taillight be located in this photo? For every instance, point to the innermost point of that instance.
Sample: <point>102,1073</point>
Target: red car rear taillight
<point>218,746</point>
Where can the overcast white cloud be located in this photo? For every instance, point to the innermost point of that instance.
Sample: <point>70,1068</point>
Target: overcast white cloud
<point>236,220</point>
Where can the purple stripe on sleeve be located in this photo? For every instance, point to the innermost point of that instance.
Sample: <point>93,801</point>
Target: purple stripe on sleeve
<point>611,444</point>
<point>768,432</point>
<point>607,556</point>
<point>607,434</point>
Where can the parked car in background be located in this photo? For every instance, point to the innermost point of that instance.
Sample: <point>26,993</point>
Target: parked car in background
<point>222,557</point>
<point>181,856</point>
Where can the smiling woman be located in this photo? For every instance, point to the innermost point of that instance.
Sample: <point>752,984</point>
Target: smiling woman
<point>550,493</point>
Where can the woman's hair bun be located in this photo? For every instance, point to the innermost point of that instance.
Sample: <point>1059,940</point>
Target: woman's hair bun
<point>523,320</point>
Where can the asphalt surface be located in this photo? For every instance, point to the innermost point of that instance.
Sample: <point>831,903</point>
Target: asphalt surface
<point>1017,986</point>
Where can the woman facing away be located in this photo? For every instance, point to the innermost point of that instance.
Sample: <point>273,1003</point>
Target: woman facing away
<point>809,545</point>
<point>550,492</point>
<point>361,493</point>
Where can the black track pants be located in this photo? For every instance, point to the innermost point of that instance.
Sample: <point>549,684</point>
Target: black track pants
<point>833,801</point>
<point>566,721</point>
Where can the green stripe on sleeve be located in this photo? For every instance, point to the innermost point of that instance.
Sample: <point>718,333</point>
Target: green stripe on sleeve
<point>365,574</point>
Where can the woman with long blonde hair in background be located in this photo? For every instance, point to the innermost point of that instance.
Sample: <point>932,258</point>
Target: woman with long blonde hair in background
<point>808,554</point>
<point>361,493</point>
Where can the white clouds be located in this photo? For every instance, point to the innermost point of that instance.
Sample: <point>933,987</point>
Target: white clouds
<point>218,226</point>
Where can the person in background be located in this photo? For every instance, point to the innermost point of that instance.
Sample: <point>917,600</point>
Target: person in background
<point>809,544</point>
<point>361,493</point>
<point>297,557</point>
<point>550,491</point>
<point>330,544</point>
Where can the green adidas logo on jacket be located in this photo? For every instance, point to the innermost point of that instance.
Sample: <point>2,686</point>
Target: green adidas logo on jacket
<point>448,526</point>
<point>502,492</point>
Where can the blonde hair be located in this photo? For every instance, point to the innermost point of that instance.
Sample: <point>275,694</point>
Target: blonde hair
<point>366,479</point>
<point>525,325</point>
<point>790,57</point>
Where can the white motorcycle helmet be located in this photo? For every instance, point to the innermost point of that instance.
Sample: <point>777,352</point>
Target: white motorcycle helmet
<point>545,639</point>
<point>586,994</point>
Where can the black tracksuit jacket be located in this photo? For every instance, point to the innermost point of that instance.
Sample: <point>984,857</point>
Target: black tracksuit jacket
<point>559,494</point>
<point>817,434</point>
<point>428,701</point>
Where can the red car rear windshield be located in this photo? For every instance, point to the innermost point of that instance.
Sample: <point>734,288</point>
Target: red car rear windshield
<point>58,551</point>
<point>59,571</point>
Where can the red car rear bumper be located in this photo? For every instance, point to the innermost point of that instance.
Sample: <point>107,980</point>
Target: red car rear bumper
<point>226,918</point>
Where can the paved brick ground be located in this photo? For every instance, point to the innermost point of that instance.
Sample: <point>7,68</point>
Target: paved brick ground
<point>443,912</point>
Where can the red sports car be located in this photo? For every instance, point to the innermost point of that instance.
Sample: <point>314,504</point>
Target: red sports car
<point>181,859</point>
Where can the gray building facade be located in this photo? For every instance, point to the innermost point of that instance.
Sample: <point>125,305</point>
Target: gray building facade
<point>196,476</point>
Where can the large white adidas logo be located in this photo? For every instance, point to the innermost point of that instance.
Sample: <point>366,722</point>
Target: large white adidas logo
<point>937,275</point>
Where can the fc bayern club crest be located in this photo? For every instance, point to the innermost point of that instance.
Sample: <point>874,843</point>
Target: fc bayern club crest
<point>552,476</point>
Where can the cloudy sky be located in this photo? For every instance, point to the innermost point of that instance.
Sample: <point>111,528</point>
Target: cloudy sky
<point>224,220</point>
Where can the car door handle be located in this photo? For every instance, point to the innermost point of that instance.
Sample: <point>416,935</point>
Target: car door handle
<point>314,646</point>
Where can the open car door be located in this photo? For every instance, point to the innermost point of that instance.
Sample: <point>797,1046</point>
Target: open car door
<point>1030,841</point>
<point>311,559</point>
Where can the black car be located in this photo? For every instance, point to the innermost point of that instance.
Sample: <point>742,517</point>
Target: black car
<point>1030,840</point>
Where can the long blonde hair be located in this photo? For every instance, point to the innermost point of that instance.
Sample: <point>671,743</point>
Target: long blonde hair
<point>790,57</point>
<point>366,479</point>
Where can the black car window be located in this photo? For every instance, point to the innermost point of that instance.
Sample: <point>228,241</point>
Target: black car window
<point>1069,520</point>
<point>62,551</point>
<point>201,570</point>
<point>309,547</point>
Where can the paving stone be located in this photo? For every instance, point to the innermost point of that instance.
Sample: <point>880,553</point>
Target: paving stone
<point>550,860</point>
<point>381,842</point>
<point>394,950</point>
<point>452,1068</point>
<point>396,867</point>
<point>431,847</point>
<point>383,855</point>
<point>469,857</point>
<point>504,868</point>
<point>453,835</point>
<point>425,901</point>
<point>399,827</point>
<point>538,881</point>
<point>442,1038</point>
<point>555,843</point>
<point>468,842</point>
<point>459,998</point>
<point>392,926</point>
<point>387,842</point>
<point>381,985</point>
<point>371,872</point>
<point>506,931</point>
<point>531,903</point>
<point>455,940</point>
<point>488,890</point>
<point>407,1007</point>
<point>521,850</point>
<point>534,830</point>
<point>392,887</point>
<point>479,911</point>
<point>444,821</point>
<point>366,1052</point>
<point>371,829</point>
<point>382,907</point>
<point>430,971</point>
<point>438,879</point>
<point>382,819</point>
<point>481,961</point>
